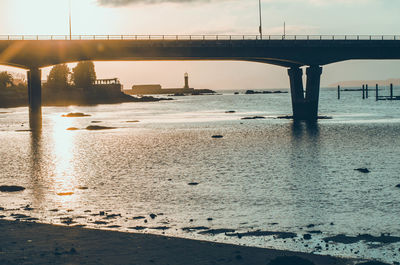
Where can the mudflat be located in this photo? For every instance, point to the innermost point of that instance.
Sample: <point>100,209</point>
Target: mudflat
<point>33,243</point>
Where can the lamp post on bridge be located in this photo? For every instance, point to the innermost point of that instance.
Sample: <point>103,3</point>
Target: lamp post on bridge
<point>70,21</point>
<point>260,28</point>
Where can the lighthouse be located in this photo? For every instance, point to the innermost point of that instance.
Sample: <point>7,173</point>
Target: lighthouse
<point>186,81</point>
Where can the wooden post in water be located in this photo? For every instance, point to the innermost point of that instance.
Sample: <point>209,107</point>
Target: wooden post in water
<point>363,91</point>
<point>376,92</point>
<point>366,91</point>
<point>338,92</point>
<point>391,91</point>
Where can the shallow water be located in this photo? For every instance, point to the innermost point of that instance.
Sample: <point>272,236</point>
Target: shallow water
<point>268,175</point>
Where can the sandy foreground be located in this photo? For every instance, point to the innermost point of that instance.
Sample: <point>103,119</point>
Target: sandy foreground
<point>32,243</point>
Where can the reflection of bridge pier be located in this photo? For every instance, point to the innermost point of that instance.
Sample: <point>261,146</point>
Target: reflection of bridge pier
<point>35,98</point>
<point>305,107</point>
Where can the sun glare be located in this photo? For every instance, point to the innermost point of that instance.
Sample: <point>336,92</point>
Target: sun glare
<point>63,143</point>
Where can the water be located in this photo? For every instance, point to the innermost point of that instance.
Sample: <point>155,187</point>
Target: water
<point>269,175</point>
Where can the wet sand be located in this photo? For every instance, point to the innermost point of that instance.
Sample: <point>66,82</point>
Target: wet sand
<point>32,243</point>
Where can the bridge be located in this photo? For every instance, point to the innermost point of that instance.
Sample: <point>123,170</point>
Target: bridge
<point>289,51</point>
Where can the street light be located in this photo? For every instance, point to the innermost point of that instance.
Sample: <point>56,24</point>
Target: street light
<point>260,28</point>
<point>70,21</point>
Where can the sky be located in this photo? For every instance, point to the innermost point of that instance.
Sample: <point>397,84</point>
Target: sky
<point>163,17</point>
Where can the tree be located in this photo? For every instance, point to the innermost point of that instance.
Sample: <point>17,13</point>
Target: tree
<point>84,74</point>
<point>58,77</point>
<point>6,79</point>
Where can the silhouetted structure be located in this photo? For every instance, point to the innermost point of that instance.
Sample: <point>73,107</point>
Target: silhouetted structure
<point>287,51</point>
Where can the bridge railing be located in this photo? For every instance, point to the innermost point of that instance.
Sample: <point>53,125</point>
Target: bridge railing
<point>200,37</point>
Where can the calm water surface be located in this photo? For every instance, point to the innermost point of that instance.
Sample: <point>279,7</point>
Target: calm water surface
<point>268,175</point>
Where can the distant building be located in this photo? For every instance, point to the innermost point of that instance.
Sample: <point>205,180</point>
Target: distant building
<point>157,89</point>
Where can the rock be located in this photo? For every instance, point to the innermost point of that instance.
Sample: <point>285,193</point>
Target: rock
<point>75,115</point>
<point>82,188</point>
<point>398,186</point>
<point>307,236</point>
<point>209,219</point>
<point>152,215</point>
<point>72,129</point>
<point>310,225</point>
<point>137,228</point>
<point>11,188</point>
<point>373,263</point>
<point>362,170</point>
<point>253,118</point>
<point>193,184</point>
<point>290,260</point>
<point>217,136</point>
<point>97,128</point>
<point>96,121</point>
<point>100,223</point>
<point>135,121</point>
<point>65,193</point>
<point>230,111</point>
<point>138,217</point>
<point>102,213</point>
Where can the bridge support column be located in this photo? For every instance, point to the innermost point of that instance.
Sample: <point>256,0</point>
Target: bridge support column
<point>35,98</point>
<point>312,94</point>
<point>305,107</point>
<point>297,92</point>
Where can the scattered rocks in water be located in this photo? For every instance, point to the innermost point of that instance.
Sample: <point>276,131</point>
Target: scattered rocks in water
<point>307,236</point>
<point>384,239</point>
<point>160,228</point>
<point>253,118</point>
<point>113,216</point>
<point>152,215</point>
<point>217,136</point>
<point>290,260</point>
<point>194,228</point>
<point>75,115</point>
<point>11,188</point>
<point>280,235</point>
<point>67,220</point>
<point>19,216</point>
<point>100,223</point>
<point>113,226</point>
<point>230,111</point>
<point>193,184</point>
<point>98,127</point>
<point>363,170</point>
<point>65,193</point>
<point>28,208</point>
<point>137,228</point>
<point>214,232</point>
<point>315,232</point>
<point>138,217</point>
<point>72,129</point>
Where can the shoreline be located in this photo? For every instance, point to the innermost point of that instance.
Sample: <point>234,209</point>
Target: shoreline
<point>35,243</point>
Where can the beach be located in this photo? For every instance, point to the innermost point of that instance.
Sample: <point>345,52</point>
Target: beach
<point>32,243</point>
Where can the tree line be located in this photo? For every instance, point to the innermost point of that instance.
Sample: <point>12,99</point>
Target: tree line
<point>83,75</point>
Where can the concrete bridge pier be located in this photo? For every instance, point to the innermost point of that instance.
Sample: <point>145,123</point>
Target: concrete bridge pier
<point>35,98</point>
<point>305,107</point>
